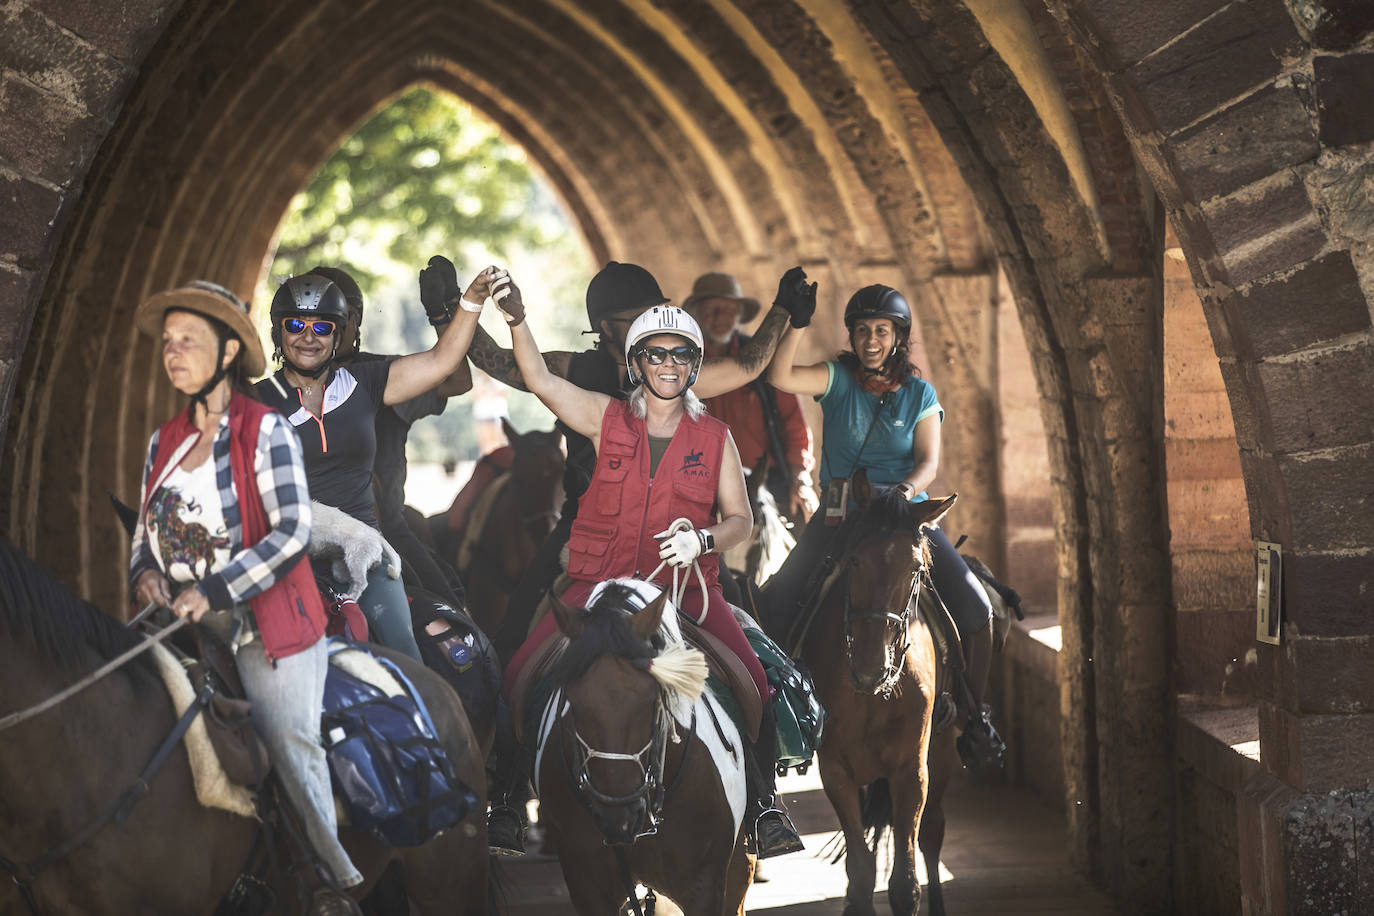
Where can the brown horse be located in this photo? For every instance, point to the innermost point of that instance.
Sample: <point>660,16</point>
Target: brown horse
<point>639,772</point>
<point>507,524</point>
<point>60,770</point>
<point>874,665</point>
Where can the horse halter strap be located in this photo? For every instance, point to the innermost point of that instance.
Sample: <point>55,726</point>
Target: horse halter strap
<point>651,760</point>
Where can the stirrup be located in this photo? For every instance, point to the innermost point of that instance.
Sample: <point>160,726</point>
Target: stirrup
<point>980,747</point>
<point>774,834</point>
<point>505,831</point>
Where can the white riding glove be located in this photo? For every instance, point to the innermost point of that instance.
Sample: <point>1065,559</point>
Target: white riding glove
<point>679,548</point>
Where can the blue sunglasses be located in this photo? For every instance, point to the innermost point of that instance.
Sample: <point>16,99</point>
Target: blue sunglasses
<point>320,326</point>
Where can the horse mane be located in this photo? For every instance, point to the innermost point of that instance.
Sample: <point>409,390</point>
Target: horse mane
<point>606,631</point>
<point>35,605</point>
<point>888,512</point>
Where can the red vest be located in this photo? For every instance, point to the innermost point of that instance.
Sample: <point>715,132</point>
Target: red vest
<point>624,508</point>
<point>289,615</point>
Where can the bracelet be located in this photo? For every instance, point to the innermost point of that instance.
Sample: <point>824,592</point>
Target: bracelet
<point>467,306</point>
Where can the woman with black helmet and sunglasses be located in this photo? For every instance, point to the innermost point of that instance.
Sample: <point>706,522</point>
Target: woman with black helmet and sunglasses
<point>333,409</point>
<point>659,459</point>
<point>880,415</point>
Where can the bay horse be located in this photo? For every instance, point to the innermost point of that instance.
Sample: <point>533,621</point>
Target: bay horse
<point>640,774</point>
<point>508,522</point>
<point>61,769</point>
<point>874,665</point>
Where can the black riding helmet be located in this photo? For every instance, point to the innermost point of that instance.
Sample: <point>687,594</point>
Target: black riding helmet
<point>878,301</point>
<point>309,296</point>
<point>618,287</point>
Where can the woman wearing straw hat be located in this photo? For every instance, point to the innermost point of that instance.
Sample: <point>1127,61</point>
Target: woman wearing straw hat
<point>223,526</point>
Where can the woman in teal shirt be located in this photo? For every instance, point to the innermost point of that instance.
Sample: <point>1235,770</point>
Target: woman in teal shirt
<point>880,415</point>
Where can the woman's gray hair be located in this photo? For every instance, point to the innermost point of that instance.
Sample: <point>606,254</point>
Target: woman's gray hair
<point>690,402</point>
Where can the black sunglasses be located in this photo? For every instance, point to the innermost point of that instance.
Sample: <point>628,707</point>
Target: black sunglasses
<point>683,355</point>
<point>320,326</point>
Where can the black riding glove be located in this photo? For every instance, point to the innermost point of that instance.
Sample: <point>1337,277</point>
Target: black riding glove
<point>797,296</point>
<point>439,290</point>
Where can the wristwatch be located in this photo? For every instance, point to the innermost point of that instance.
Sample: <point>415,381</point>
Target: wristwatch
<point>708,540</point>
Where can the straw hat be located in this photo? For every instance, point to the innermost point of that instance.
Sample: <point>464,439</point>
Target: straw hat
<point>212,301</point>
<point>722,286</point>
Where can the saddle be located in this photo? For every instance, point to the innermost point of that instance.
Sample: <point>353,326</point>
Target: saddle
<point>723,663</point>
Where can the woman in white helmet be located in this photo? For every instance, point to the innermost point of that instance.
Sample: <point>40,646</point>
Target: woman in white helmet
<point>659,458</point>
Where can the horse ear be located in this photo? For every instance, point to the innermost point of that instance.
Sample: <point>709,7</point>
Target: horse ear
<point>646,623</point>
<point>860,489</point>
<point>511,433</point>
<point>930,511</point>
<point>570,619</point>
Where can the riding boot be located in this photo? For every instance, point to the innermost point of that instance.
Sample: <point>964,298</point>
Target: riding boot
<point>510,790</point>
<point>774,834</point>
<point>979,745</point>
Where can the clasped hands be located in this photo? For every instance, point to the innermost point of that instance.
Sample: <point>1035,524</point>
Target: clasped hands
<point>439,292</point>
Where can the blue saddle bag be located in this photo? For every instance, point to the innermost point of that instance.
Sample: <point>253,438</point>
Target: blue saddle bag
<point>388,767</point>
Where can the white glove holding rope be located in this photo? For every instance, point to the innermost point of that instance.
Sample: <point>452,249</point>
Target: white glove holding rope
<point>680,545</point>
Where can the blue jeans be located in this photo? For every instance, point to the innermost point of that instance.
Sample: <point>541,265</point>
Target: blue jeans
<point>287,703</point>
<point>387,610</point>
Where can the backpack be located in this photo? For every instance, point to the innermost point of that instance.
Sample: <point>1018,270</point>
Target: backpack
<point>388,767</point>
<point>800,716</point>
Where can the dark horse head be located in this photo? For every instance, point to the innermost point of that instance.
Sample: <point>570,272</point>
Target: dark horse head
<point>618,675</point>
<point>537,467</point>
<point>882,563</point>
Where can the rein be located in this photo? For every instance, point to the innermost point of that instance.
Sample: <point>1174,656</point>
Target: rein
<point>15,718</point>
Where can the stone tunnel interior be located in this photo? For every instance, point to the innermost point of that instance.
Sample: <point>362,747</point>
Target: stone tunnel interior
<point>1137,239</point>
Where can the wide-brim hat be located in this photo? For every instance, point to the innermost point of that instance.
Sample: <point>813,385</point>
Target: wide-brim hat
<point>212,301</point>
<point>721,286</point>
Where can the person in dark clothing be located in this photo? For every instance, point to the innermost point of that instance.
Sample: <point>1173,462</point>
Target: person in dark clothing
<point>393,423</point>
<point>333,410</point>
<point>616,296</point>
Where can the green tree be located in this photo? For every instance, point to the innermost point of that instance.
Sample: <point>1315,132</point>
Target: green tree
<point>425,174</point>
<point>428,175</point>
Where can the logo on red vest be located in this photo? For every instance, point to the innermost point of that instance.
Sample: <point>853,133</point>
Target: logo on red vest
<point>693,466</point>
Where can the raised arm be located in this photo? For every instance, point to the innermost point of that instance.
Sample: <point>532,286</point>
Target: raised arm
<point>721,374</point>
<point>579,409</point>
<point>786,376</point>
<point>419,372</point>
<point>498,362</point>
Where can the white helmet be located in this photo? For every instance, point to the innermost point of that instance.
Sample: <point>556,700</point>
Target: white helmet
<point>663,319</point>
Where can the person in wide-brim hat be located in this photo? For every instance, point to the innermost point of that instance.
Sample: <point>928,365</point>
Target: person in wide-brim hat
<point>209,300</point>
<point>721,286</point>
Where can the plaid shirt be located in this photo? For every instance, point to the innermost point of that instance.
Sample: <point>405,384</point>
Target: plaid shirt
<point>280,471</point>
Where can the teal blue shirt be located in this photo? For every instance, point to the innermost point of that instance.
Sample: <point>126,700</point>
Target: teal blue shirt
<point>848,411</point>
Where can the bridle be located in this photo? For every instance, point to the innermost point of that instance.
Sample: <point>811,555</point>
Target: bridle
<point>651,760</point>
<point>898,643</point>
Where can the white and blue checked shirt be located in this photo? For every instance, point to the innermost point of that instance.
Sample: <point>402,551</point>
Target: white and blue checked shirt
<point>280,472</point>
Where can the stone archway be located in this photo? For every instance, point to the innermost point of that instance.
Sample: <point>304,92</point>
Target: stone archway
<point>926,141</point>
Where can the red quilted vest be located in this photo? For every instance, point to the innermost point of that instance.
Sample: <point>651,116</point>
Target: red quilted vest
<point>289,615</point>
<point>624,508</point>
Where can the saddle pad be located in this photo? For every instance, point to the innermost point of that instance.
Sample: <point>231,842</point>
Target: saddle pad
<point>213,788</point>
<point>728,668</point>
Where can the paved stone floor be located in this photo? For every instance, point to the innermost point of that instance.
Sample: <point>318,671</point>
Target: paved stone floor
<point>1004,854</point>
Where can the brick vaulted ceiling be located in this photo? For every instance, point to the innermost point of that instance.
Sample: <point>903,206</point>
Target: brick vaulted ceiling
<point>147,142</point>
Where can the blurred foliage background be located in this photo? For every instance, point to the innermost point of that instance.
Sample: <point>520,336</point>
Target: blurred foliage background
<point>426,175</point>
